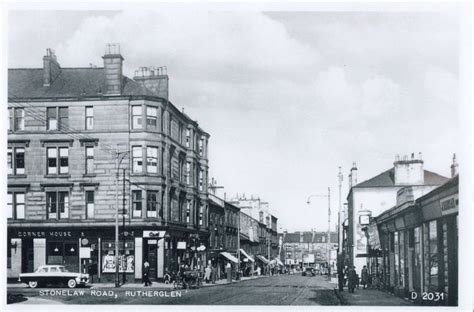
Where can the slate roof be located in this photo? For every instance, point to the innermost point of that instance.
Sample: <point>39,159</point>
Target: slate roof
<point>71,82</point>
<point>387,178</point>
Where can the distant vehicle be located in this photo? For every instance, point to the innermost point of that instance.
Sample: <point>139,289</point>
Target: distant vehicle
<point>53,274</point>
<point>309,271</point>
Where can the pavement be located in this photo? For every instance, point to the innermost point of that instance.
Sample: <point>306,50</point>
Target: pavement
<point>370,297</point>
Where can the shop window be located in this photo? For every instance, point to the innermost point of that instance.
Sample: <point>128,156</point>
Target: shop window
<point>16,206</point>
<point>433,256</point>
<point>89,159</point>
<point>57,205</point>
<point>16,160</point>
<point>89,117</point>
<point>126,258</point>
<point>151,204</point>
<point>137,159</point>
<point>152,159</point>
<point>89,204</point>
<point>137,117</point>
<point>61,253</point>
<point>151,117</point>
<point>137,203</point>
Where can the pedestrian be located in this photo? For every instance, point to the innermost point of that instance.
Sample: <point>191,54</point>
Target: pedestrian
<point>207,275</point>
<point>352,279</point>
<point>146,273</point>
<point>213,274</point>
<point>364,274</point>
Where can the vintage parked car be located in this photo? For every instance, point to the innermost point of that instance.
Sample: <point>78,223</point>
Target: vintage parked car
<point>309,272</point>
<point>53,274</point>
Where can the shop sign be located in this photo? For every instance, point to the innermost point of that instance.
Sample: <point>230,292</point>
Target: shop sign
<point>45,234</point>
<point>153,234</point>
<point>181,245</point>
<point>373,233</point>
<point>449,205</point>
<point>85,252</point>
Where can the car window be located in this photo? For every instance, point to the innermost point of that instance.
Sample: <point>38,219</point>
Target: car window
<point>42,270</point>
<point>62,269</point>
<point>53,269</point>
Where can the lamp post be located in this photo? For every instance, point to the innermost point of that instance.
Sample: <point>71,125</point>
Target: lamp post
<point>119,157</point>
<point>328,240</point>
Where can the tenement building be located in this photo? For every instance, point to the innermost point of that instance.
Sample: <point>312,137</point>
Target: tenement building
<point>84,143</point>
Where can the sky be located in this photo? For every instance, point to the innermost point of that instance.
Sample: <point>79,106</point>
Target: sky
<point>287,97</point>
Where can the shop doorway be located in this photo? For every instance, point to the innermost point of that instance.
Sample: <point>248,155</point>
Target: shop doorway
<point>151,254</point>
<point>27,256</point>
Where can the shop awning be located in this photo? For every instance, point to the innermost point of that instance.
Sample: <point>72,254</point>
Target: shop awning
<point>279,262</point>
<point>263,259</point>
<point>230,257</point>
<point>246,255</point>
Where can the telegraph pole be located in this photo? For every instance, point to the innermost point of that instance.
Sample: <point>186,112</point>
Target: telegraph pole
<point>339,221</point>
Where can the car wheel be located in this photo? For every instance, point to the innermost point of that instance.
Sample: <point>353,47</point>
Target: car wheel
<point>71,283</point>
<point>33,284</point>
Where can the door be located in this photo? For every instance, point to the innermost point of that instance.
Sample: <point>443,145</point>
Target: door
<point>151,255</point>
<point>27,256</point>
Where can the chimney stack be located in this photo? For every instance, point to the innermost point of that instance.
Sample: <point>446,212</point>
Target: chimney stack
<point>113,67</point>
<point>454,167</point>
<point>154,79</point>
<point>409,171</point>
<point>353,175</point>
<point>51,68</point>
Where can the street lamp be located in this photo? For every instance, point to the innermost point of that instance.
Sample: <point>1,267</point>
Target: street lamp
<point>119,157</point>
<point>328,241</point>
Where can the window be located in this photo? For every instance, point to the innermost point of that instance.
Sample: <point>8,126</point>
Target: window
<point>19,119</point>
<point>57,205</point>
<point>188,137</point>
<point>63,118</point>
<point>188,211</point>
<point>57,118</point>
<point>16,206</point>
<point>89,118</point>
<point>201,180</point>
<point>10,119</point>
<point>152,159</point>
<point>137,117</point>
<point>261,216</point>
<point>201,209</point>
<point>188,173</point>
<point>137,203</point>
<point>201,147</point>
<point>433,256</point>
<point>180,133</point>
<point>16,160</point>
<point>58,160</point>
<point>89,159</point>
<point>137,159</point>
<point>151,203</point>
<point>151,117</point>
<point>89,204</point>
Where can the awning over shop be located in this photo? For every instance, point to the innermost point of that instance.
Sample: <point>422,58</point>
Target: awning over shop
<point>263,259</point>
<point>279,262</point>
<point>246,255</point>
<point>230,257</point>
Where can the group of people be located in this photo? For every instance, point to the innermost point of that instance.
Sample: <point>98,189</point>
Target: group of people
<point>352,279</point>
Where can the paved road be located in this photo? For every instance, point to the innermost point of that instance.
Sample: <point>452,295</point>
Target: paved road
<point>276,290</point>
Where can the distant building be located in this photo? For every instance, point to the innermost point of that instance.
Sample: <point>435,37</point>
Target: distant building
<point>378,194</point>
<point>308,248</point>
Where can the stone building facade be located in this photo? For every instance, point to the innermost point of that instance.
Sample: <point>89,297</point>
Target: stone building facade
<point>83,142</point>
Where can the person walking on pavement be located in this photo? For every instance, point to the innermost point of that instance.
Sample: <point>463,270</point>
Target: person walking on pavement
<point>364,275</point>
<point>207,275</point>
<point>146,273</point>
<point>352,279</point>
<point>213,274</point>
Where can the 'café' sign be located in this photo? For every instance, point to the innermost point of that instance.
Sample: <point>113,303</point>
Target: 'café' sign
<point>449,205</point>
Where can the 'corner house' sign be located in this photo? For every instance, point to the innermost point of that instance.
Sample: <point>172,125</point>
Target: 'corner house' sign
<point>44,234</point>
<point>449,204</point>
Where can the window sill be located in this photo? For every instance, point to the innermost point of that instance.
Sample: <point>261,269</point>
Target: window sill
<point>20,176</point>
<point>61,176</point>
<point>89,175</point>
